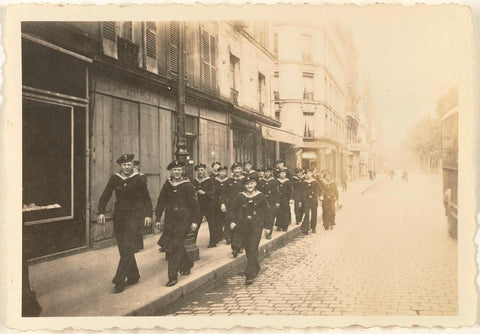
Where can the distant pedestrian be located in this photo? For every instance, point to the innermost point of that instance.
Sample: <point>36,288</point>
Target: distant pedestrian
<point>133,209</point>
<point>249,217</point>
<point>285,198</point>
<point>269,187</point>
<point>205,188</point>
<point>233,187</point>
<point>220,218</point>
<point>178,200</point>
<point>297,183</point>
<point>344,181</point>
<point>311,193</point>
<point>328,196</point>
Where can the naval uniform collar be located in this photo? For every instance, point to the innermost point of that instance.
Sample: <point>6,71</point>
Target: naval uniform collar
<point>219,179</point>
<point>237,178</point>
<point>328,182</point>
<point>270,179</point>
<point>126,177</point>
<point>255,193</point>
<point>200,181</point>
<point>282,180</point>
<point>179,183</point>
<point>310,180</point>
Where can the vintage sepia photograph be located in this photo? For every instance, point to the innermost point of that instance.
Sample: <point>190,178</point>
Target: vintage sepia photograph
<point>242,166</point>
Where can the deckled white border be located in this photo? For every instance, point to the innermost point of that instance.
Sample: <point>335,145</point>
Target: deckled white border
<point>469,124</point>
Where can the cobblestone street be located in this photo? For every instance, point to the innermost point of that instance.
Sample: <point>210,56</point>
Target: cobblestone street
<point>390,254</point>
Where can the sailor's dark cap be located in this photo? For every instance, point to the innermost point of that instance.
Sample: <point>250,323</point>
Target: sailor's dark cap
<point>248,179</point>
<point>175,164</point>
<point>198,166</point>
<point>235,165</point>
<point>125,158</point>
<point>268,169</point>
<point>136,162</point>
<point>216,163</point>
<point>222,168</point>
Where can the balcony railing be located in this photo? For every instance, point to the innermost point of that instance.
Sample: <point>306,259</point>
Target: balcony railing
<point>309,133</point>
<point>308,96</point>
<point>234,95</point>
<point>276,95</point>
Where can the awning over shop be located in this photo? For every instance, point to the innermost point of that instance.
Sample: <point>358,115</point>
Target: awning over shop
<point>309,155</point>
<point>281,135</point>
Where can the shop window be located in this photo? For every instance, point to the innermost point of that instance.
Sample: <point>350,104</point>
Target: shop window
<point>47,161</point>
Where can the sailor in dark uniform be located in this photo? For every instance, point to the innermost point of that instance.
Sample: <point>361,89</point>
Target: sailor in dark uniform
<point>311,193</point>
<point>269,186</point>
<point>250,216</point>
<point>220,219</point>
<point>261,173</point>
<point>297,183</point>
<point>177,198</point>
<point>285,196</point>
<point>215,166</point>
<point>205,187</point>
<point>249,171</point>
<point>328,196</point>
<point>233,186</point>
<point>133,208</point>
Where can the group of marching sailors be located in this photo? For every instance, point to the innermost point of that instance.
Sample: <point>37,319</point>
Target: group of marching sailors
<point>237,209</point>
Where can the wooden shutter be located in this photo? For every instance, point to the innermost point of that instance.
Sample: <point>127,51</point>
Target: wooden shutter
<point>209,71</point>
<point>109,38</point>
<point>151,46</point>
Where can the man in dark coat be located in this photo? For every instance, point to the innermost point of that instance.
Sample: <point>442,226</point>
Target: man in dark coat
<point>328,196</point>
<point>177,198</point>
<point>285,198</point>
<point>250,216</point>
<point>220,219</point>
<point>297,182</point>
<point>205,187</point>
<point>269,186</point>
<point>233,186</point>
<point>132,208</point>
<point>311,193</point>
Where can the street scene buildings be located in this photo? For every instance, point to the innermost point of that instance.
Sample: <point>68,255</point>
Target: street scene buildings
<point>112,86</point>
<point>289,98</point>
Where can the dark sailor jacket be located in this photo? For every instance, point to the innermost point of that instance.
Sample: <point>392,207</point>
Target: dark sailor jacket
<point>311,192</point>
<point>232,187</point>
<point>329,190</point>
<point>208,186</point>
<point>285,189</point>
<point>131,194</point>
<point>297,184</point>
<point>250,209</point>
<point>219,186</point>
<point>270,188</point>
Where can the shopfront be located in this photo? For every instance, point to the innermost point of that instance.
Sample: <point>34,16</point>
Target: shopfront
<point>54,116</point>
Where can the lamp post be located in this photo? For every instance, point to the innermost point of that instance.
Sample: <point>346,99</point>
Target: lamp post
<point>181,153</point>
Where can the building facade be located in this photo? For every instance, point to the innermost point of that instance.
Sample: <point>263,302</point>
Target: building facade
<point>309,85</point>
<point>95,90</point>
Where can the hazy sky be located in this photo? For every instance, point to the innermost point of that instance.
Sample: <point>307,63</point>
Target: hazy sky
<point>408,55</point>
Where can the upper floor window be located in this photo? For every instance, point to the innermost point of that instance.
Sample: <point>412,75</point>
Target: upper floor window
<point>261,92</point>
<point>308,86</point>
<point>234,77</point>
<point>174,40</point>
<point>275,44</point>
<point>125,30</point>
<point>307,48</point>
<point>260,32</point>
<point>209,69</point>
<point>275,84</point>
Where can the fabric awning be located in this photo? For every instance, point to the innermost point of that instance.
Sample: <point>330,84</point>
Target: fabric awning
<point>309,155</point>
<point>281,135</point>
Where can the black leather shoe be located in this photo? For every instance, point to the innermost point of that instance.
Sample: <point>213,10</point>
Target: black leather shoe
<point>235,252</point>
<point>279,228</point>
<point>118,288</point>
<point>314,231</point>
<point>186,272</point>
<point>171,282</point>
<point>249,281</point>
<point>132,282</point>
<point>240,251</point>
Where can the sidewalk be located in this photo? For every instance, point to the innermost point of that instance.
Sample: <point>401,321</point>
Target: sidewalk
<point>361,185</point>
<point>80,285</point>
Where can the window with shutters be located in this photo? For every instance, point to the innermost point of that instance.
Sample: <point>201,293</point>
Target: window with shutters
<point>109,38</point>
<point>151,39</point>
<point>126,30</point>
<point>209,70</point>
<point>174,39</point>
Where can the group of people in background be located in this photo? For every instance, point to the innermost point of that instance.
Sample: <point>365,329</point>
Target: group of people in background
<point>237,210</point>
